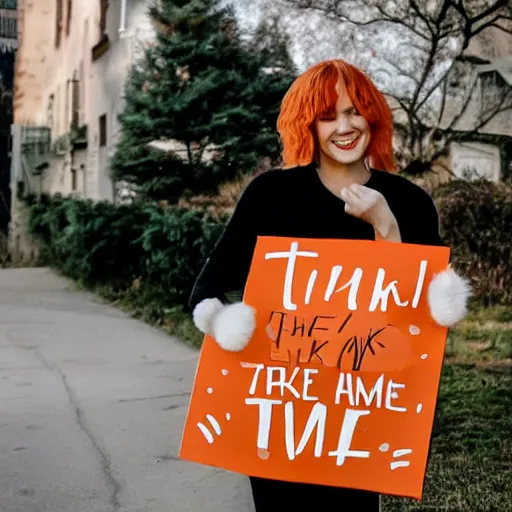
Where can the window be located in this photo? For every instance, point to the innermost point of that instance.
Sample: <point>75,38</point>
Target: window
<point>58,23</point>
<point>103,43</point>
<point>73,179</point>
<point>473,160</point>
<point>66,104</point>
<point>75,100</point>
<point>49,111</point>
<point>8,4</point>
<point>68,17</point>
<point>103,130</point>
<point>8,27</point>
<point>81,88</point>
<point>57,111</point>
<point>103,16</point>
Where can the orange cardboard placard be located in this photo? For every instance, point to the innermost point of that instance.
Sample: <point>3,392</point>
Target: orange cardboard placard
<point>338,385</point>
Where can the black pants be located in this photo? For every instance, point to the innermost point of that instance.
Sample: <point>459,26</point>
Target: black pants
<point>273,495</point>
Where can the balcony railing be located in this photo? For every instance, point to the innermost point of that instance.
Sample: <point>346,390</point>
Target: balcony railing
<point>9,4</point>
<point>8,27</point>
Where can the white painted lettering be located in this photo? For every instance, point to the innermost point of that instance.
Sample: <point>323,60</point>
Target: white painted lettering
<point>353,283</point>
<point>419,284</point>
<point>290,271</point>
<point>289,430</point>
<point>265,419</point>
<point>345,440</point>
<point>281,383</point>
<point>390,394</point>
<point>317,418</point>
<point>254,382</point>
<point>381,294</point>
<point>311,285</point>
<point>333,281</point>
<point>341,390</point>
<point>307,381</point>
<point>376,391</point>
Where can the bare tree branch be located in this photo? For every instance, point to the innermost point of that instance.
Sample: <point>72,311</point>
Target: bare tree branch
<point>401,71</point>
<point>499,27</point>
<point>386,17</point>
<point>443,102</point>
<point>487,12</point>
<point>445,168</point>
<point>420,15</point>
<point>465,104</point>
<point>344,15</point>
<point>434,88</point>
<point>486,116</point>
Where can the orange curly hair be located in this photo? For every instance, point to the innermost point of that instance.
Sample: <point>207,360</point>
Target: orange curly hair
<point>313,94</point>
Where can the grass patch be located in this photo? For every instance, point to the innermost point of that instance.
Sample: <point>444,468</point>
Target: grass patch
<point>152,306</point>
<point>485,336</point>
<point>471,459</point>
<point>146,304</point>
<point>470,466</point>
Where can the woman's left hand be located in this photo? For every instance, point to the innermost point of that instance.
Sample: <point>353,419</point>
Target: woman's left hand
<point>369,205</point>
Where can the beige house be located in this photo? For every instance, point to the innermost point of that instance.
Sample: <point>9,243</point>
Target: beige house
<point>489,58</point>
<point>475,130</point>
<point>72,66</point>
<point>479,150</point>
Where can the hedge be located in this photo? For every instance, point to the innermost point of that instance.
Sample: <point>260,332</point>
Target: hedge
<point>475,221</point>
<point>116,245</point>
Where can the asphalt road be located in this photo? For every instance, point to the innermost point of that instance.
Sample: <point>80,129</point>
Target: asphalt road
<point>92,406</point>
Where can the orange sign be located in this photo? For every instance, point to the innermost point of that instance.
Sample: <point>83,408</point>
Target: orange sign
<point>339,383</point>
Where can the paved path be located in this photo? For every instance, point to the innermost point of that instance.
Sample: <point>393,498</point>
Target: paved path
<point>92,405</point>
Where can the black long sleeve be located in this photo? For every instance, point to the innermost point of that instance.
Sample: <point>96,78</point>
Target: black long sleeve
<point>431,232</point>
<point>228,265</point>
<point>419,220</point>
<point>294,203</point>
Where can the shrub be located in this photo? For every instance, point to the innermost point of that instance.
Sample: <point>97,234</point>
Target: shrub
<point>475,221</point>
<point>221,205</point>
<point>118,245</point>
<point>164,248</point>
<point>204,93</point>
<point>90,242</point>
<point>176,243</point>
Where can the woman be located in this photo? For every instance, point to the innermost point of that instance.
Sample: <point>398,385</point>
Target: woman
<point>337,181</point>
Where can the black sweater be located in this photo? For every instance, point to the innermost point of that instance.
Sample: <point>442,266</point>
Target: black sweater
<point>295,203</point>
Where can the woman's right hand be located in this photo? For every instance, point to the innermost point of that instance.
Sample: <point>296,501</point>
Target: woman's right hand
<point>231,326</point>
<point>371,206</point>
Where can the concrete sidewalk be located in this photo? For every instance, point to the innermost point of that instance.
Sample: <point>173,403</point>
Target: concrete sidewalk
<point>92,405</point>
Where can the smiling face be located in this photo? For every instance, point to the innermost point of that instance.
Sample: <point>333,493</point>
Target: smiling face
<point>343,135</point>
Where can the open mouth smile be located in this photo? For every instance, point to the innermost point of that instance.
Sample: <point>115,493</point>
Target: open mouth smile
<point>346,144</point>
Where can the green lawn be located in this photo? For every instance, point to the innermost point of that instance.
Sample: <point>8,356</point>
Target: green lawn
<point>470,468</point>
<point>471,463</point>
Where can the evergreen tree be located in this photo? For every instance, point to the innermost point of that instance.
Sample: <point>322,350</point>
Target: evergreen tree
<point>200,86</point>
<point>271,40</point>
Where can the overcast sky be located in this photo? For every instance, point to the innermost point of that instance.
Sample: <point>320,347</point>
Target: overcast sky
<point>314,38</point>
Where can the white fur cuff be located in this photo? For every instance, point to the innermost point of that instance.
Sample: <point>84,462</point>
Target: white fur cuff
<point>205,312</point>
<point>448,296</point>
<point>234,326</point>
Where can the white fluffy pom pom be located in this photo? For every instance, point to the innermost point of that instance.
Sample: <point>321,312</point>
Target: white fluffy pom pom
<point>234,326</point>
<point>204,314</point>
<point>448,295</point>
